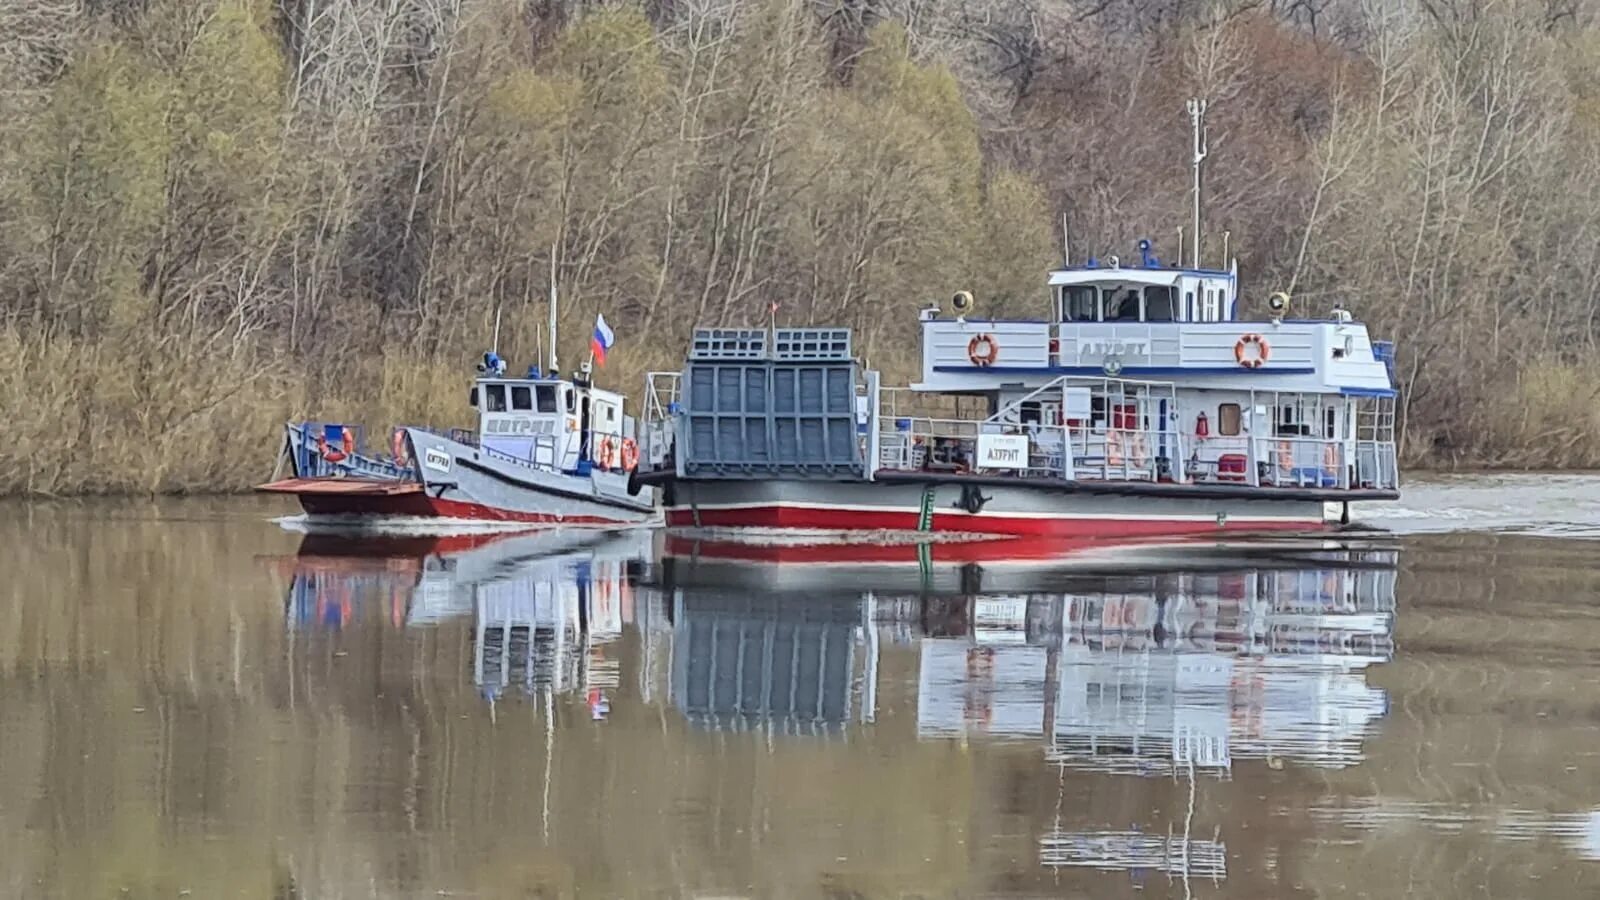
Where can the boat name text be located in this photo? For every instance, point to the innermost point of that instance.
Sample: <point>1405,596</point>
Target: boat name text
<point>437,460</point>
<point>1002,451</point>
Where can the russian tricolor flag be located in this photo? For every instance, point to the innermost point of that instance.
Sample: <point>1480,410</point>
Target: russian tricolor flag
<point>602,339</point>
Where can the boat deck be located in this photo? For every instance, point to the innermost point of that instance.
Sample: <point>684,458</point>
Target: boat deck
<point>341,487</point>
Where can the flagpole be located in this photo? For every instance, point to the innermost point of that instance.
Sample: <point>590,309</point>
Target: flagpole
<point>555,369</point>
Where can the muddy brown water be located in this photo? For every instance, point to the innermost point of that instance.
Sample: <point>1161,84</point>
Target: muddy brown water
<point>195,701</point>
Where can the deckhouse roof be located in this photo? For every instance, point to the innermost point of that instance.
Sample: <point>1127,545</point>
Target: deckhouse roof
<point>1128,274</point>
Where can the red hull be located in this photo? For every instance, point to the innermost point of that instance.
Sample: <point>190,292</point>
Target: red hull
<point>823,518</point>
<point>420,504</point>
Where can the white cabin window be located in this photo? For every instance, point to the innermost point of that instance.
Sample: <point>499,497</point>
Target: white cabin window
<point>1081,303</point>
<point>545,394</point>
<point>1229,417</point>
<point>1213,307</point>
<point>1188,306</point>
<point>521,398</point>
<point>494,398</point>
<point>1292,419</point>
<point>572,402</point>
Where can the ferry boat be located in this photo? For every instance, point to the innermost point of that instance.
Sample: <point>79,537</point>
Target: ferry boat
<point>1141,401</point>
<point>547,451</point>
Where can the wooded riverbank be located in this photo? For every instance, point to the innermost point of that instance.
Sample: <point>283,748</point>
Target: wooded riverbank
<point>216,216</point>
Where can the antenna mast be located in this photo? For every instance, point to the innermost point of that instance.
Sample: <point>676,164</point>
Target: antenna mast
<point>554,368</point>
<point>1197,118</point>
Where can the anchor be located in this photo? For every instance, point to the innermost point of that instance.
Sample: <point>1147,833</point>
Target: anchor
<point>972,499</point>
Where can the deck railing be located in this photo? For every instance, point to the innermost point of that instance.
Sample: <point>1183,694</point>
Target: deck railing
<point>312,464</point>
<point>1377,465</point>
<point>1104,453</point>
<point>907,443</point>
<point>1301,462</point>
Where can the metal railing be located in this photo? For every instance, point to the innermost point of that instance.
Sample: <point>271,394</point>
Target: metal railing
<point>1301,462</point>
<point>1377,465</point>
<point>909,443</point>
<point>311,463</point>
<point>656,427</point>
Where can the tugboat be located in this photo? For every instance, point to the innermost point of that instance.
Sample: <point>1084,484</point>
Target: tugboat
<point>1140,403</point>
<point>547,451</point>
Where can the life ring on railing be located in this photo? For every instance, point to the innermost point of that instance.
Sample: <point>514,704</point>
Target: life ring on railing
<point>397,448</point>
<point>1330,459</point>
<point>1138,450</point>
<point>1114,447</point>
<point>1263,351</point>
<point>630,454</point>
<point>1285,460</point>
<point>983,350</point>
<point>347,447</point>
<point>607,457</point>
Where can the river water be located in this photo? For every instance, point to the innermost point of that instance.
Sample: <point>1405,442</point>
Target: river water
<point>197,702</point>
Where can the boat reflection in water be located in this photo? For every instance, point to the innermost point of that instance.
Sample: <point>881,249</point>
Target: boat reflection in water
<point>1154,659</point>
<point>1168,660</point>
<point>544,605</point>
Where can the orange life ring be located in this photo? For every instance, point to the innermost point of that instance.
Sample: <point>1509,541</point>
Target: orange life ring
<point>397,448</point>
<point>1330,458</point>
<point>607,456</point>
<point>983,350</point>
<point>630,454</point>
<point>1262,354</point>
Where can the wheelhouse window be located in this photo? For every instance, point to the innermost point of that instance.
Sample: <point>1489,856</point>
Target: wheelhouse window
<point>1124,306</point>
<point>494,398</point>
<point>1188,306</point>
<point>545,395</point>
<point>1080,303</point>
<point>1158,304</point>
<point>521,398</point>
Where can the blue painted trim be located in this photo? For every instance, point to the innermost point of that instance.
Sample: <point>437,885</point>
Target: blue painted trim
<point>1126,370</point>
<point>1368,392</point>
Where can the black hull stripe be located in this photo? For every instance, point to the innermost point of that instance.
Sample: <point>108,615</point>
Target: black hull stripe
<point>1064,486</point>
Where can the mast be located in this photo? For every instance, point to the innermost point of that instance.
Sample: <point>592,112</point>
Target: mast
<point>553,365</point>
<point>1197,118</point>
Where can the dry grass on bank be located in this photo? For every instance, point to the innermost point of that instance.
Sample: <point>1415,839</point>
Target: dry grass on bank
<point>132,416</point>
<point>1549,419</point>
